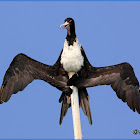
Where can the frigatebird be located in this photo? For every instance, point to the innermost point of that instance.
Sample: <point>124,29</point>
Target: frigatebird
<point>23,70</point>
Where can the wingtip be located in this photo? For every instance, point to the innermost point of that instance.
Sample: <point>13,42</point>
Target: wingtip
<point>1,94</point>
<point>1,89</point>
<point>1,102</point>
<point>60,122</point>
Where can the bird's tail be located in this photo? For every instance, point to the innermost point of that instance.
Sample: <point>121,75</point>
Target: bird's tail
<point>83,102</point>
<point>66,103</point>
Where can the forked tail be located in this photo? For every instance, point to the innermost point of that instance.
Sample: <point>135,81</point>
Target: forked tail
<point>83,102</point>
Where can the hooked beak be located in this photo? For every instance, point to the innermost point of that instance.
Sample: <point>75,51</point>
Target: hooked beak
<point>66,26</point>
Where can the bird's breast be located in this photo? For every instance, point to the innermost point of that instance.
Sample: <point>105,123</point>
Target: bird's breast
<point>71,58</point>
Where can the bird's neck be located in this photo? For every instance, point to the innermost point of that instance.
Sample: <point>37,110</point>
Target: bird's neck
<point>70,39</point>
<point>71,35</point>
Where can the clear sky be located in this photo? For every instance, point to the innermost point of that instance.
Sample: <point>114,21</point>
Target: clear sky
<point>109,33</point>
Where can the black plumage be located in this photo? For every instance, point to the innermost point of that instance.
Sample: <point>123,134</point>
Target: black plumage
<point>121,77</point>
<point>23,70</point>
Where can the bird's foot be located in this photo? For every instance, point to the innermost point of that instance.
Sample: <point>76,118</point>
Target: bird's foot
<point>72,80</point>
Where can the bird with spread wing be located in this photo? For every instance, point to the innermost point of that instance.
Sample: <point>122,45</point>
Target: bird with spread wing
<point>23,70</point>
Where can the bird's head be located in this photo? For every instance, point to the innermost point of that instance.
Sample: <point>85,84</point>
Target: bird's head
<point>69,25</point>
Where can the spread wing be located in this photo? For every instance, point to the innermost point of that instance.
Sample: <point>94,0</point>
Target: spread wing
<point>23,70</point>
<point>121,77</point>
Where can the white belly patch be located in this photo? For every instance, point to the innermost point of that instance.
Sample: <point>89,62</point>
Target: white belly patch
<point>71,57</point>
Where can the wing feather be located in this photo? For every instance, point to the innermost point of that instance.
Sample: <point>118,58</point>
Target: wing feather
<point>23,70</point>
<point>121,77</point>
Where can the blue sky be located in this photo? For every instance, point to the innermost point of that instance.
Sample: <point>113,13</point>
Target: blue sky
<point>109,33</point>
